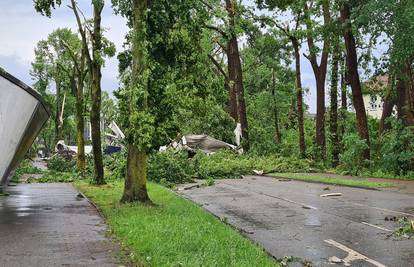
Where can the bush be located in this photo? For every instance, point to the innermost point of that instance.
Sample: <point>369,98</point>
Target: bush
<point>352,160</point>
<point>59,164</point>
<point>25,167</point>
<point>115,165</point>
<point>397,151</point>
<point>170,167</point>
<point>227,164</point>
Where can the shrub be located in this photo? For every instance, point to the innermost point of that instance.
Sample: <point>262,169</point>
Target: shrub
<point>352,161</point>
<point>25,167</point>
<point>59,164</point>
<point>170,167</point>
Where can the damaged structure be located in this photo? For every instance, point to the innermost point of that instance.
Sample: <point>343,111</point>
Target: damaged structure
<point>22,115</point>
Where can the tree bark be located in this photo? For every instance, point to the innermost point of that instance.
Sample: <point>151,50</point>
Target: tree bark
<point>136,174</point>
<point>352,66</point>
<point>278,136</point>
<point>319,71</point>
<point>96,93</point>
<point>58,113</point>
<point>232,103</point>
<point>403,105</point>
<point>344,99</point>
<point>95,76</point>
<point>236,75</point>
<point>299,96</point>
<point>80,122</point>
<point>389,103</point>
<point>334,109</point>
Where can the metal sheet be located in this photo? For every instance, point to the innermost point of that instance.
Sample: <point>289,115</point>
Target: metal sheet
<point>22,115</point>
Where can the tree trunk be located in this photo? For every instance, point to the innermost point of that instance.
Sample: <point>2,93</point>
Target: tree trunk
<point>389,103</point>
<point>58,121</point>
<point>344,99</point>
<point>278,137</point>
<point>136,173</point>
<point>320,76</point>
<point>236,75</point>
<point>403,105</point>
<point>136,177</point>
<point>80,122</point>
<point>334,110</point>
<point>299,96</point>
<point>352,66</point>
<point>96,94</point>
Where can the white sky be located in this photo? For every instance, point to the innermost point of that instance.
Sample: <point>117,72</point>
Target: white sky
<point>21,27</point>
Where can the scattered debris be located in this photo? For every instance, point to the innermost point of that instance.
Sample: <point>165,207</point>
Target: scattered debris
<point>331,195</point>
<point>284,180</point>
<point>189,187</point>
<point>260,173</point>
<point>288,259</point>
<point>327,188</point>
<point>80,196</point>
<point>306,207</point>
<point>335,260</point>
<point>405,229</point>
<point>391,218</point>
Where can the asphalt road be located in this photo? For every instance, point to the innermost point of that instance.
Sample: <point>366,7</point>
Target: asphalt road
<point>289,218</point>
<point>48,225</point>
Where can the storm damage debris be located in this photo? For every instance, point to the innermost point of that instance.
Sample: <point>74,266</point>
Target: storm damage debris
<point>18,130</point>
<point>331,195</point>
<point>192,143</point>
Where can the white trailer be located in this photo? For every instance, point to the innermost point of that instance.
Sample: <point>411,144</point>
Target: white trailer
<point>22,115</point>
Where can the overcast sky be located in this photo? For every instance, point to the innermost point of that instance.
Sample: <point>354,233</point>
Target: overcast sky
<point>21,28</point>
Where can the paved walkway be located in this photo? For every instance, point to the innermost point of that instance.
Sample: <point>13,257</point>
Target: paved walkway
<point>289,218</point>
<point>48,225</point>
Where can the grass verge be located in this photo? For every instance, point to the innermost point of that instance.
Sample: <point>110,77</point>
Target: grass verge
<point>175,232</point>
<point>364,183</point>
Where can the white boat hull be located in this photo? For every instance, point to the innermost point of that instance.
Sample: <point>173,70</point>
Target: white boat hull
<point>22,115</point>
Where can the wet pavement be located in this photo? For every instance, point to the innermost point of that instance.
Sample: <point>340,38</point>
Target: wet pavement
<point>48,225</point>
<point>289,218</point>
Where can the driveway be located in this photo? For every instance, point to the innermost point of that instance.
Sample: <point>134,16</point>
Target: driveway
<point>289,218</point>
<point>48,225</point>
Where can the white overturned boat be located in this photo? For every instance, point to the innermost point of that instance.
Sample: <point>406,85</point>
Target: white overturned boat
<point>22,115</point>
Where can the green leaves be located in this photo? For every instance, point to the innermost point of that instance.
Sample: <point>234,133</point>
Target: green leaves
<point>45,6</point>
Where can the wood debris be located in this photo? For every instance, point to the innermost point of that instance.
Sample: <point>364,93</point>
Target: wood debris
<point>331,195</point>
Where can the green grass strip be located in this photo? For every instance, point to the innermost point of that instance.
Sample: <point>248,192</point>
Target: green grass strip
<point>364,183</point>
<point>176,232</point>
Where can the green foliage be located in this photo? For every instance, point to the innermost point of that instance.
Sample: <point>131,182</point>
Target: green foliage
<point>25,167</point>
<point>59,164</point>
<point>396,153</point>
<point>170,167</point>
<point>227,164</point>
<point>405,229</point>
<point>352,160</point>
<point>54,177</point>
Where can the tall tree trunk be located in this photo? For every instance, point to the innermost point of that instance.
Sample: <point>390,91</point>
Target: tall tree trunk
<point>344,98</point>
<point>278,137</point>
<point>299,97</point>
<point>403,103</point>
<point>352,66</point>
<point>58,114</point>
<point>334,109</point>
<point>80,122</point>
<point>96,94</point>
<point>136,173</point>
<point>319,71</point>
<point>236,74</point>
<point>232,101</point>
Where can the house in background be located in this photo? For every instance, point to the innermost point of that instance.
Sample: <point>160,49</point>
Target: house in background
<point>373,95</point>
